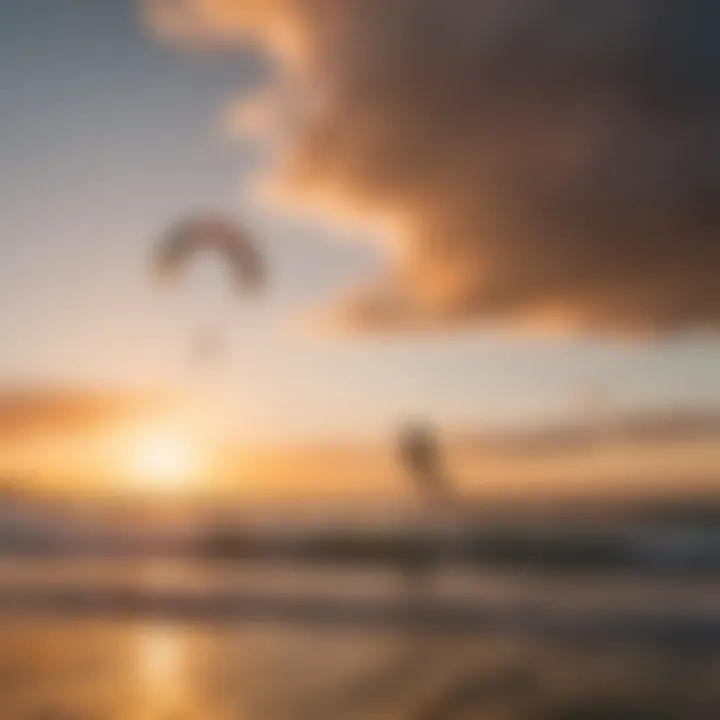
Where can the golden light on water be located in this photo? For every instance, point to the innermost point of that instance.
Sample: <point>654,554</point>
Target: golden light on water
<point>161,664</point>
<point>159,656</point>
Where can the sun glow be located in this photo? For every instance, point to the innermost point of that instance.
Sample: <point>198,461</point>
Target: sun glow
<point>165,462</point>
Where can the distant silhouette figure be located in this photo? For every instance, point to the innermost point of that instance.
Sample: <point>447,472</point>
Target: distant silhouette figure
<point>420,454</point>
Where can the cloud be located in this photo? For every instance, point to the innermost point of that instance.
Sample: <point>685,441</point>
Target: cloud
<point>552,163</point>
<point>27,413</point>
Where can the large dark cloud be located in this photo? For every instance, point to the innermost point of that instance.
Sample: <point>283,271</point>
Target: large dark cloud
<point>554,162</point>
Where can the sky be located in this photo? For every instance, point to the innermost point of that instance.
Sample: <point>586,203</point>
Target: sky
<point>110,132</point>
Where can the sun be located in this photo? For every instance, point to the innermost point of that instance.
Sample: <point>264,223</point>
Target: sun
<point>165,462</point>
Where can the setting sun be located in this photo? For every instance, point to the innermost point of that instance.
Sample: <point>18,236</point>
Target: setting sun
<point>165,462</point>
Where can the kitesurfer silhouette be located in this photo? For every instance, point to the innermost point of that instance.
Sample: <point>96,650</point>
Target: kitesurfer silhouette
<point>420,454</point>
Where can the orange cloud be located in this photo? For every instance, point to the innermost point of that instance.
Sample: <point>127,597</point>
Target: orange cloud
<point>26,413</point>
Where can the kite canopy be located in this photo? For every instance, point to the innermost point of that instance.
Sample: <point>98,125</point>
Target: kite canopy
<point>183,242</point>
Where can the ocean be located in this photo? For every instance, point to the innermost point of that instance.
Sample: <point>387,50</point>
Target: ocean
<point>100,639</point>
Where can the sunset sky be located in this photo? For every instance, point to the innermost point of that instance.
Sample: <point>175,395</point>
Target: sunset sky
<point>110,131</point>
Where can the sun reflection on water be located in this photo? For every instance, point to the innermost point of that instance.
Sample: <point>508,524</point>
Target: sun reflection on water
<point>161,668</point>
